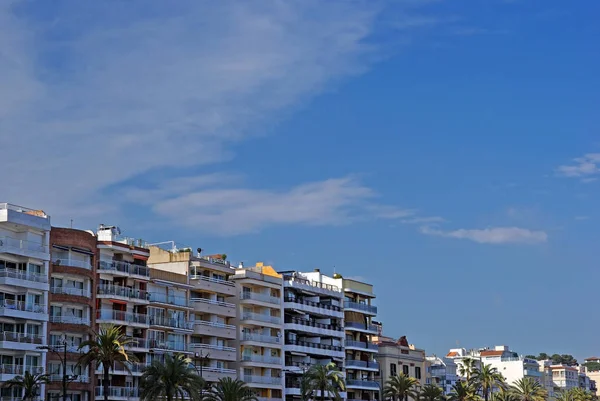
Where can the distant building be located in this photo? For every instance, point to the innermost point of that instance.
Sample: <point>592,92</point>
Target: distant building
<point>398,356</point>
<point>442,372</point>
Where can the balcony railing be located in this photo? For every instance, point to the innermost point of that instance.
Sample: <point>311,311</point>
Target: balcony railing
<point>261,297</point>
<point>170,322</point>
<point>23,275</point>
<point>124,267</point>
<point>261,358</point>
<point>211,279</point>
<point>261,317</point>
<point>10,244</point>
<point>313,345</point>
<point>261,338</point>
<point>213,302</point>
<point>9,369</point>
<point>121,291</point>
<point>362,383</point>
<point>351,363</point>
<point>218,370</point>
<point>121,392</point>
<point>138,343</point>
<point>168,299</point>
<point>315,304</point>
<point>134,367</point>
<point>71,378</point>
<point>23,209</point>
<point>362,326</point>
<point>168,345</point>
<point>214,324</point>
<point>216,261</point>
<point>210,346</point>
<point>359,306</point>
<point>80,292</point>
<point>70,320</point>
<point>305,322</point>
<point>360,344</point>
<point>262,379</point>
<point>22,306</point>
<point>138,318</point>
<point>84,264</point>
<point>21,337</point>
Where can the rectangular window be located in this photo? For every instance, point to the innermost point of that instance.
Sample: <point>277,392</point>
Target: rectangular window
<point>417,372</point>
<point>393,369</point>
<point>405,369</point>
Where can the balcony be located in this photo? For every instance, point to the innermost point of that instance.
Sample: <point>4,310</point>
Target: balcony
<point>20,341</point>
<point>294,323</point>
<point>123,318</point>
<point>78,292</point>
<point>159,298</point>
<point>82,264</point>
<point>361,327</point>
<point>135,369</point>
<point>70,320</point>
<point>313,286</point>
<point>359,345</point>
<point>216,351</point>
<point>20,278</point>
<point>9,369</point>
<point>23,310</point>
<point>261,338</point>
<point>214,329</point>
<point>362,384</point>
<point>214,307</point>
<point>256,296</point>
<point>171,322</point>
<point>23,216</point>
<point>168,345</point>
<point>213,374</point>
<point>313,307</point>
<point>359,307</point>
<point>133,294</point>
<point>306,347</point>
<point>21,247</point>
<point>362,365</point>
<point>72,379</point>
<point>260,317</point>
<point>120,268</point>
<point>211,284</point>
<point>267,380</point>
<point>121,393</point>
<point>138,344</point>
<point>271,360</point>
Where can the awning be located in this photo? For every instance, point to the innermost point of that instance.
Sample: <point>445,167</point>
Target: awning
<point>117,301</point>
<point>139,257</point>
<point>64,248</point>
<point>81,250</point>
<point>298,353</point>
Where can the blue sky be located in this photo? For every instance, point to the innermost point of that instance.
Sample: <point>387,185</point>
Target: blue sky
<point>445,151</point>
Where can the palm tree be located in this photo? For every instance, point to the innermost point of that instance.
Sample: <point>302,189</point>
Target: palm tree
<point>431,392</point>
<point>106,348</point>
<point>487,378</point>
<point>467,365</point>
<point>174,378</point>
<point>580,394</point>
<point>29,384</point>
<point>528,389</point>
<point>325,378</point>
<point>564,395</point>
<point>463,391</point>
<point>228,389</point>
<point>400,387</point>
<point>504,395</point>
<point>306,392</point>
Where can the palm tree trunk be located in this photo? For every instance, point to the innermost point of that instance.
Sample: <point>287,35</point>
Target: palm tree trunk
<point>106,380</point>
<point>322,393</point>
<point>486,394</point>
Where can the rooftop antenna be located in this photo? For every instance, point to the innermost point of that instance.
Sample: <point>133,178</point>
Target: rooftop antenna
<point>71,223</point>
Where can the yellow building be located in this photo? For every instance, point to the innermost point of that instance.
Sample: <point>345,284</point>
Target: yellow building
<point>398,356</point>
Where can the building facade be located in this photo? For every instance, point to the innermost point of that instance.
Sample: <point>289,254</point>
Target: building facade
<point>313,326</point>
<point>24,287</point>
<point>72,311</point>
<point>442,372</point>
<point>398,356</point>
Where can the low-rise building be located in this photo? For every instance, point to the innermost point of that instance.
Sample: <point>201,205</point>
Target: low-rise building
<point>442,372</point>
<point>398,356</point>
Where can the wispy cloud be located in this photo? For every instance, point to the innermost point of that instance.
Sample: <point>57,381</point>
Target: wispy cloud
<point>97,93</point>
<point>424,220</point>
<point>585,168</point>
<point>493,235</point>
<point>233,210</point>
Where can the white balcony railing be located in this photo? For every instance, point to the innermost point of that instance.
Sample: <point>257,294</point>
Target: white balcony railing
<point>263,379</point>
<point>362,383</point>
<point>84,264</point>
<point>136,318</point>
<point>10,245</point>
<point>213,302</point>
<point>261,338</point>
<point>168,299</point>
<point>70,320</point>
<point>193,346</point>
<point>22,306</point>
<point>261,297</point>
<point>261,317</point>
<point>23,275</point>
<point>120,392</point>
<point>21,338</point>
<point>9,369</point>
<point>80,292</point>
<point>211,279</point>
<point>214,324</point>
<point>261,358</point>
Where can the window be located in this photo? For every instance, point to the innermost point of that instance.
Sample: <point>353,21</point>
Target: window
<point>393,369</point>
<point>417,372</point>
<point>405,369</point>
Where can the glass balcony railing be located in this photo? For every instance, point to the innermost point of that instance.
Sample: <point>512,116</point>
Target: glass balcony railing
<point>313,345</point>
<point>261,317</point>
<point>361,344</point>
<point>261,358</point>
<point>121,392</point>
<point>360,306</point>
<point>168,299</point>
<point>22,306</point>
<point>263,379</point>
<point>136,318</point>
<point>120,291</point>
<point>263,338</point>
<point>315,304</point>
<point>309,323</point>
<point>362,383</point>
<point>80,292</point>
<point>362,326</point>
<point>124,267</point>
<point>16,245</point>
<point>261,297</point>
<point>70,320</point>
<point>354,363</point>
<point>9,369</point>
<point>170,322</point>
<point>65,261</point>
<point>21,337</point>
<point>23,275</point>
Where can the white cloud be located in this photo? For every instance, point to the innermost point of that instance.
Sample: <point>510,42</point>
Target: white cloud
<point>230,210</point>
<point>493,235</point>
<point>95,93</point>
<point>584,167</point>
<point>424,220</point>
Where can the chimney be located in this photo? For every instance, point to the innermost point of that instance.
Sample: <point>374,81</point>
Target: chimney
<point>318,270</point>
<point>241,265</point>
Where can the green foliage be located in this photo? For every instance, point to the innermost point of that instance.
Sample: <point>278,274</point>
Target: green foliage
<point>173,379</point>
<point>224,256</point>
<point>531,356</point>
<point>400,387</point>
<point>325,379</point>
<point>592,366</point>
<point>228,389</point>
<point>28,383</point>
<point>557,359</point>
<point>487,378</point>
<point>463,391</point>
<point>431,392</point>
<point>184,250</point>
<point>528,389</point>
<point>466,367</point>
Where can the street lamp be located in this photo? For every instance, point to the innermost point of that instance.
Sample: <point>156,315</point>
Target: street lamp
<point>202,358</point>
<point>63,360</point>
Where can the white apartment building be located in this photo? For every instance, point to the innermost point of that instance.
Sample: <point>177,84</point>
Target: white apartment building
<point>313,326</point>
<point>122,299</point>
<point>442,372</point>
<point>24,267</point>
<point>260,329</point>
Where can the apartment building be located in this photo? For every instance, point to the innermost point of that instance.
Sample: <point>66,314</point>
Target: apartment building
<point>203,290</point>
<point>593,374</point>
<point>122,299</point>
<point>24,267</point>
<point>313,326</point>
<point>360,351</point>
<point>398,356</point>
<point>442,372</point>
<point>565,377</point>
<point>72,294</point>
<point>260,329</point>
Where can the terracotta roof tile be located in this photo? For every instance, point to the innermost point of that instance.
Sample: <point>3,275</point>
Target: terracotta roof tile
<point>492,353</point>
